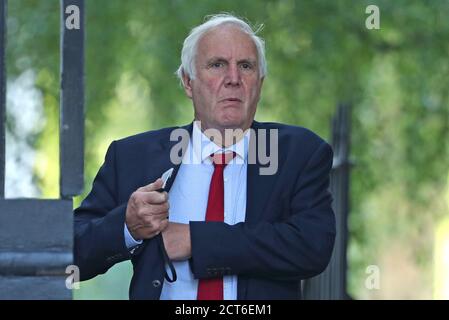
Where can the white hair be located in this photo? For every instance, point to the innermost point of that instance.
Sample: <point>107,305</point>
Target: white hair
<point>189,48</point>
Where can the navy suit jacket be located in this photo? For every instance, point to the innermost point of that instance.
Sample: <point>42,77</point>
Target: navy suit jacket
<point>288,234</point>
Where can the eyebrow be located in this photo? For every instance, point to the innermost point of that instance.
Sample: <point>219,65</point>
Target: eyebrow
<point>221,59</point>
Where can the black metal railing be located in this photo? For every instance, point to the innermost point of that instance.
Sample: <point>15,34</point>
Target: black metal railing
<point>331,284</point>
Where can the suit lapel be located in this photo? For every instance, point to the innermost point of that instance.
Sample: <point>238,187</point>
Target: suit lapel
<point>157,166</point>
<point>258,191</point>
<point>258,187</point>
<point>158,161</point>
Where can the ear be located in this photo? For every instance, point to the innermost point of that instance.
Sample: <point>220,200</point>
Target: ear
<point>187,84</point>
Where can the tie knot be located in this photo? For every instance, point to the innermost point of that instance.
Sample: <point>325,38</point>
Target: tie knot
<point>222,159</point>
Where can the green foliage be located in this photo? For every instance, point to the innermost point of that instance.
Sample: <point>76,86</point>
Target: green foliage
<point>319,54</point>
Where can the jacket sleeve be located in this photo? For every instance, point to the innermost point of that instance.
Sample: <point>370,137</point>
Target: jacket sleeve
<point>294,249</point>
<point>99,224</point>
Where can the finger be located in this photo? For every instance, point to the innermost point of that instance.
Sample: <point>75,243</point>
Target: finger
<point>149,232</point>
<point>161,208</point>
<point>149,218</point>
<point>152,234</point>
<point>153,197</point>
<point>153,186</point>
<point>164,224</point>
<point>158,209</point>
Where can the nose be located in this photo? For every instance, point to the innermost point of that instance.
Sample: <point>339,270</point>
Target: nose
<point>233,78</point>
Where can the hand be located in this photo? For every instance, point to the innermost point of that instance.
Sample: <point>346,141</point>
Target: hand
<point>147,211</point>
<point>177,241</point>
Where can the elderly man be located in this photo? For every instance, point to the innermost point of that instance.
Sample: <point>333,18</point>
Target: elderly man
<point>219,228</point>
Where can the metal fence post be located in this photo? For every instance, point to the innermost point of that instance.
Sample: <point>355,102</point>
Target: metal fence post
<point>331,284</point>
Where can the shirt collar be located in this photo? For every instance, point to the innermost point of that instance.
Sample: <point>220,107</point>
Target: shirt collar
<point>203,147</point>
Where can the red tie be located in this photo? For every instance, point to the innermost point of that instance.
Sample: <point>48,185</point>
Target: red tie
<point>212,289</point>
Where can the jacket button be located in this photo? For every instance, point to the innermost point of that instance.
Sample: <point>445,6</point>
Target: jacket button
<point>156,283</point>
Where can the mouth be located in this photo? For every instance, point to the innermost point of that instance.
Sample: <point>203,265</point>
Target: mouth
<point>231,100</point>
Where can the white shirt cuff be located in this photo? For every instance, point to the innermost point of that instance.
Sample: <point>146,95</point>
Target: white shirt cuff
<point>129,240</point>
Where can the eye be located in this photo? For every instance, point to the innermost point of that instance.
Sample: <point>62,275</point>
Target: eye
<point>216,65</point>
<point>246,66</point>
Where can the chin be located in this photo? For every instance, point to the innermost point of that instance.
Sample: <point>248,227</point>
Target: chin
<point>232,120</point>
<point>231,123</point>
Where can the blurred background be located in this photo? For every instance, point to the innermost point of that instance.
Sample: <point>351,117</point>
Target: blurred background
<point>320,54</point>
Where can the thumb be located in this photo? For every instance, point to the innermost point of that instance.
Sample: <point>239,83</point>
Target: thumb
<point>153,186</point>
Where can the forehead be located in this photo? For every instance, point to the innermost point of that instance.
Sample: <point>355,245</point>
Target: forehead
<point>227,41</point>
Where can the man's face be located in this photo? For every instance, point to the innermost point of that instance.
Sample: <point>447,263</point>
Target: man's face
<point>227,86</point>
